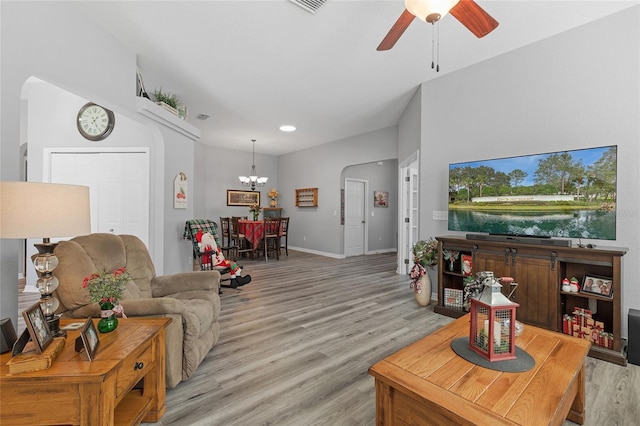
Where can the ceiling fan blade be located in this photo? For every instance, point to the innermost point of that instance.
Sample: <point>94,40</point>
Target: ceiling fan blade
<point>396,31</point>
<point>475,18</point>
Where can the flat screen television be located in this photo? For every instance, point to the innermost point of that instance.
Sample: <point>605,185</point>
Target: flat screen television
<point>569,194</point>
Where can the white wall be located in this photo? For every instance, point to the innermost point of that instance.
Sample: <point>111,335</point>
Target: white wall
<point>410,127</point>
<point>35,44</point>
<point>42,39</point>
<point>575,90</point>
<point>222,168</point>
<point>382,227</point>
<point>321,167</point>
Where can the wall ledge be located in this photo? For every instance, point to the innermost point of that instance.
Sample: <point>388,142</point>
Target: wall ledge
<point>158,114</point>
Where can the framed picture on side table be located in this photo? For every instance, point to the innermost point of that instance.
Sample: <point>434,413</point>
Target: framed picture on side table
<point>38,327</point>
<point>88,339</point>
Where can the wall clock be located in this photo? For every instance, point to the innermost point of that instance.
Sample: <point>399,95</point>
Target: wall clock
<point>95,122</point>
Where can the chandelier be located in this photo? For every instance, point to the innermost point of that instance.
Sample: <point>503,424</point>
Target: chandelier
<point>253,180</point>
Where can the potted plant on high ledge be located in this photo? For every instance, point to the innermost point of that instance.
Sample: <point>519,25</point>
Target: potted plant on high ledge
<point>425,256</point>
<point>170,102</point>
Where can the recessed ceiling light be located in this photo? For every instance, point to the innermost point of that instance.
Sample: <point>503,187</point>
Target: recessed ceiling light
<point>287,128</point>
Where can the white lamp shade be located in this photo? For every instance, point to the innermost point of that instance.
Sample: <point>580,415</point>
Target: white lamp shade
<point>423,8</point>
<point>43,210</point>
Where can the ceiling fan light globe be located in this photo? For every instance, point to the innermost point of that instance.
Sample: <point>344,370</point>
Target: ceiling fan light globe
<point>429,10</point>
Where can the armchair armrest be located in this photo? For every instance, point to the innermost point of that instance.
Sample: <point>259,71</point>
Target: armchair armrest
<point>136,307</point>
<point>154,306</point>
<point>185,281</point>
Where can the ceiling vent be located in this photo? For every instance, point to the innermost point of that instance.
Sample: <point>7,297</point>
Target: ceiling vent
<point>309,5</point>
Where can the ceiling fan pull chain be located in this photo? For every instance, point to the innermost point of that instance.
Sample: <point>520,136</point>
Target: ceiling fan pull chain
<point>438,49</point>
<point>433,40</point>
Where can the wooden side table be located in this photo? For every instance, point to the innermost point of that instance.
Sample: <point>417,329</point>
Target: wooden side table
<point>76,391</point>
<point>427,383</point>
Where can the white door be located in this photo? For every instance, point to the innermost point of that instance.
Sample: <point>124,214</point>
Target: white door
<point>355,217</point>
<point>118,185</point>
<point>409,215</point>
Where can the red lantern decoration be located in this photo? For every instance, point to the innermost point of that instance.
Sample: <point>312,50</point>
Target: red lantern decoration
<point>493,323</point>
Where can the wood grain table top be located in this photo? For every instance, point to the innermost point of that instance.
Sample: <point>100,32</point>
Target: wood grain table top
<point>429,369</point>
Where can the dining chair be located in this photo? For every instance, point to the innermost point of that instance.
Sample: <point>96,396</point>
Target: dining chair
<point>239,240</point>
<point>271,239</point>
<point>224,226</point>
<point>284,226</point>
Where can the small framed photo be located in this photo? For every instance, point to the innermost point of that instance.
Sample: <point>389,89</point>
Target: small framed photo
<point>88,339</point>
<point>38,327</point>
<point>242,198</point>
<point>601,286</point>
<point>380,199</point>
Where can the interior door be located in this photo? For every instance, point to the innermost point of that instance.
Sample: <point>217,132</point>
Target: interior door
<point>118,186</point>
<point>355,217</point>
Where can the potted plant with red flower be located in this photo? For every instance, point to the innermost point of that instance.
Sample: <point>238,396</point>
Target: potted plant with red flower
<point>106,289</point>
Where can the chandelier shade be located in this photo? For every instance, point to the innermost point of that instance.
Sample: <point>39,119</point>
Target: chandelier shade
<point>253,180</point>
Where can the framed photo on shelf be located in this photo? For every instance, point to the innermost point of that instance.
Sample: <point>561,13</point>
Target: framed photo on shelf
<point>595,284</point>
<point>242,198</point>
<point>88,339</point>
<point>38,327</point>
<point>466,265</point>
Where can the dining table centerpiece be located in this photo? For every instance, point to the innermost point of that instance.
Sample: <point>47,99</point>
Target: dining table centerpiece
<point>425,256</point>
<point>255,210</point>
<point>106,289</point>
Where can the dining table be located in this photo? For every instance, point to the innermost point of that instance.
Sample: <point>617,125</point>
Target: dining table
<point>253,231</point>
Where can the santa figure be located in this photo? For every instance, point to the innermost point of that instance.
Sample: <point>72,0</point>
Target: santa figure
<point>212,256</point>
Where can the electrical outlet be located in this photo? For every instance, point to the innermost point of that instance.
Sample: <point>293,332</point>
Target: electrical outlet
<point>440,215</point>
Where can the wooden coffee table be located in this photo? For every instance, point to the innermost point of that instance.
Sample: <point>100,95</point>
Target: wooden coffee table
<point>78,392</point>
<point>428,383</point>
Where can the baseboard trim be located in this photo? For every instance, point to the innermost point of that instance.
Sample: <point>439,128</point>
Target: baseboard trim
<point>319,253</point>
<point>339,256</point>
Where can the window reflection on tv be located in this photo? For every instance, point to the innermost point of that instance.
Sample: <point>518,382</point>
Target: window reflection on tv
<point>569,194</point>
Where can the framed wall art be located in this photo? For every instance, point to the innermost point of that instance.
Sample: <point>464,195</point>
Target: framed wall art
<point>38,328</point>
<point>180,200</point>
<point>242,198</point>
<point>380,199</point>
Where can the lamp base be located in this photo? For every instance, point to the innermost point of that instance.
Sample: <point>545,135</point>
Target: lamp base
<point>53,322</point>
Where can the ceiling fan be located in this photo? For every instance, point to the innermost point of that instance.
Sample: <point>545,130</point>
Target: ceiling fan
<point>467,12</point>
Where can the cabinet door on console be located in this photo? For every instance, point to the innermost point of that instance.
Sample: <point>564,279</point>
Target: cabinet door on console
<point>494,261</point>
<point>537,292</point>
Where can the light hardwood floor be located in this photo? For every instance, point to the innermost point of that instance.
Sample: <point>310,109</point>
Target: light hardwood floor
<point>296,344</point>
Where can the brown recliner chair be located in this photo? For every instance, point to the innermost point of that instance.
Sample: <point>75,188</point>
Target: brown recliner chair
<point>189,298</point>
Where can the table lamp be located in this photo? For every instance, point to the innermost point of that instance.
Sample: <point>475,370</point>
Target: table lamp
<point>44,210</point>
